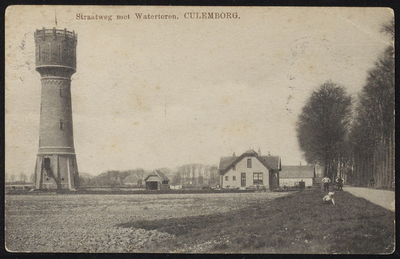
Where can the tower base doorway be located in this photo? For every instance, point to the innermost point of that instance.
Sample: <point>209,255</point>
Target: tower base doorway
<point>56,172</point>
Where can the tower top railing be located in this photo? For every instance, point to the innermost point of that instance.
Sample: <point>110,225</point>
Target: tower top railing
<point>55,32</point>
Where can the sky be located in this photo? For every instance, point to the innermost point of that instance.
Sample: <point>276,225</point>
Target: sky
<point>164,93</point>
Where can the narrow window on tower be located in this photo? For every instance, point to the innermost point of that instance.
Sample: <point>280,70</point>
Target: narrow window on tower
<point>62,126</point>
<point>40,54</point>
<point>59,52</point>
<point>49,45</point>
<point>61,91</point>
<point>37,53</point>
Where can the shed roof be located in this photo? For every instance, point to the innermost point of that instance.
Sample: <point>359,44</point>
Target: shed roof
<point>297,171</point>
<point>157,173</point>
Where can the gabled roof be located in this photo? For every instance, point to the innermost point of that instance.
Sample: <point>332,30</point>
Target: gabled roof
<point>226,161</point>
<point>270,162</point>
<point>297,171</point>
<point>274,162</point>
<point>250,152</point>
<point>157,173</point>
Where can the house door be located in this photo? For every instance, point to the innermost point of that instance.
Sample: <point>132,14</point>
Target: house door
<point>273,184</point>
<point>243,180</point>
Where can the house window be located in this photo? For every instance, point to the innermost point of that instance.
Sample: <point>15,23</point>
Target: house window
<point>234,178</point>
<point>249,163</point>
<point>226,178</point>
<point>62,126</point>
<point>234,168</point>
<point>257,178</point>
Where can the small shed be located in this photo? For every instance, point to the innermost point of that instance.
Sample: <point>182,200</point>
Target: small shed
<point>156,181</point>
<point>292,175</point>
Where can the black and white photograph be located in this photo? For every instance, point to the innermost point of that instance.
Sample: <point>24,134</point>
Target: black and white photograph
<point>199,130</point>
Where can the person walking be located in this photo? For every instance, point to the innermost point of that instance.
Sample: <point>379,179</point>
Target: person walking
<point>326,182</point>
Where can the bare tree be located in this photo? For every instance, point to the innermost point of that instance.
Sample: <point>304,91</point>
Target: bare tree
<point>140,172</point>
<point>214,172</point>
<point>32,178</point>
<point>22,177</point>
<point>176,178</point>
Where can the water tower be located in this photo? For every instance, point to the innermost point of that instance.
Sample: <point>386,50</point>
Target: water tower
<point>56,166</point>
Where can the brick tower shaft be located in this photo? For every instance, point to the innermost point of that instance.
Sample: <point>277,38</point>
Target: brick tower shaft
<point>56,166</point>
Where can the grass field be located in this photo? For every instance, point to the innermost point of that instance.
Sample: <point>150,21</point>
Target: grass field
<point>198,223</point>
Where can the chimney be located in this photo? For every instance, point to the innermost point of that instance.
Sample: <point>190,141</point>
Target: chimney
<point>233,154</point>
<point>259,151</point>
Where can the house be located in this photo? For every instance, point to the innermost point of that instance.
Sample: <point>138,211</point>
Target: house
<point>292,175</point>
<point>156,181</point>
<point>249,169</point>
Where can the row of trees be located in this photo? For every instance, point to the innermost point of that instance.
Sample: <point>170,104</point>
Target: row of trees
<point>196,174</point>
<point>355,142</point>
<point>21,178</point>
<point>113,178</point>
<point>189,174</point>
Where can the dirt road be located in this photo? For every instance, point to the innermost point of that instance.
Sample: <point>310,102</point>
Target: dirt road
<point>382,198</point>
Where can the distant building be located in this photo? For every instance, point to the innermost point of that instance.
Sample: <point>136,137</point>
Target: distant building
<point>157,181</point>
<point>292,175</point>
<point>250,169</point>
<point>176,187</point>
<point>132,180</point>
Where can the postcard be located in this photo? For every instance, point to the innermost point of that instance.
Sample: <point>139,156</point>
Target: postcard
<point>187,129</point>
